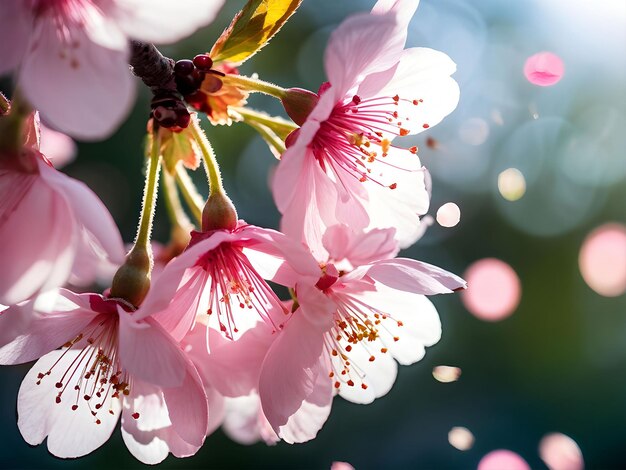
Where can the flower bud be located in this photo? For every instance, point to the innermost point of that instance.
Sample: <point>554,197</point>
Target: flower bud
<point>219,213</point>
<point>132,280</point>
<point>299,103</point>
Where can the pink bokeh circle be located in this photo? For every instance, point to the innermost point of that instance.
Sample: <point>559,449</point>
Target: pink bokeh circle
<point>544,69</point>
<point>560,452</point>
<point>502,460</point>
<point>602,260</point>
<point>493,289</point>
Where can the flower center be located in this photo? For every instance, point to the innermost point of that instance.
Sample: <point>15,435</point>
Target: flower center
<point>358,134</point>
<point>235,285</point>
<point>95,376</point>
<point>356,325</point>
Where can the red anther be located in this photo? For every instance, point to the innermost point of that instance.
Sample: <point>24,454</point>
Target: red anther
<point>183,67</point>
<point>404,132</point>
<point>348,348</point>
<point>396,98</point>
<point>350,383</point>
<point>413,150</point>
<point>58,385</point>
<point>372,359</point>
<point>58,400</point>
<point>364,387</point>
<point>337,384</point>
<point>98,421</point>
<point>356,99</point>
<point>203,62</point>
<point>393,185</point>
<point>425,126</point>
<point>135,415</point>
<point>74,407</point>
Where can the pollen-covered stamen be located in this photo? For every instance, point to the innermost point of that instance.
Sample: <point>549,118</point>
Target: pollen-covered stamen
<point>234,285</point>
<point>94,376</point>
<point>357,326</point>
<point>357,136</point>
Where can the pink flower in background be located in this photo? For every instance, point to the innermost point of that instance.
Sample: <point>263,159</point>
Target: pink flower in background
<point>343,167</point>
<point>353,322</point>
<point>71,56</point>
<point>52,227</point>
<point>109,365</point>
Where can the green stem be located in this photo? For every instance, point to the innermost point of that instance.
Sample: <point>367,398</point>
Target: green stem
<point>208,155</point>
<point>255,85</point>
<point>268,135</point>
<point>277,124</point>
<point>149,195</point>
<point>190,194</point>
<point>12,126</point>
<point>174,208</point>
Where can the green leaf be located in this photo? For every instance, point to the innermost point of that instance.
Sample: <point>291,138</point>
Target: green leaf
<point>251,29</point>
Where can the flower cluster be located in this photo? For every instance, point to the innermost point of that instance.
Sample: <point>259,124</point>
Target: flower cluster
<point>191,336</point>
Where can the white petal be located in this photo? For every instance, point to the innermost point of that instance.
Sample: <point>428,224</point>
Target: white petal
<point>164,21</point>
<point>71,433</point>
<point>80,88</point>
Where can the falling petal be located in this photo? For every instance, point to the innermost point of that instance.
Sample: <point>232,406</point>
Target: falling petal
<point>461,438</point>
<point>446,374</point>
<point>502,460</point>
<point>544,69</point>
<point>493,291</point>
<point>448,215</point>
<point>560,452</point>
<point>602,260</point>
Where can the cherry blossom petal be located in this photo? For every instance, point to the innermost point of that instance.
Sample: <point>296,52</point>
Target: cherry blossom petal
<point>544,69</point>
<point>98,229</point>
<point>245,423</point>
<point>290,369</point>
<point>233,367</point>
<point>14,324</point>
<point>361,45</point>
<point>71,433</point>
<point>93,87</point>
<point>423,74</point>
<point>378,375</point>
<point>59,148</point>
<point>415,276</point>
<point>146,351</point>
<point>164,21</point>
<point>55,319</point>
<point>304,424</point>
<point>359,248</point>
<point>14,34</point>
<point>36,238</point>
<point>188,408</point>
<point>419,322</point>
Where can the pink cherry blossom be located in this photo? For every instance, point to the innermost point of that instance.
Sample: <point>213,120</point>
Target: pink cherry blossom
<point>52,227</point>
<point>230,374</point>
<point>71,56</point>
<point>349,329</point>
<point>222,275</point>
<point>109,364</point>
<point>343,166</point>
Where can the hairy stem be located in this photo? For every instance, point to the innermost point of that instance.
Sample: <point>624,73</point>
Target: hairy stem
<point>255,85</point>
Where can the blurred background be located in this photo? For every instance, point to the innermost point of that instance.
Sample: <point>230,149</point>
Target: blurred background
<point>539,176</point>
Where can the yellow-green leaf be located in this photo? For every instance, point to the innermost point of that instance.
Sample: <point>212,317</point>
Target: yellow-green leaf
<point>251,29</point>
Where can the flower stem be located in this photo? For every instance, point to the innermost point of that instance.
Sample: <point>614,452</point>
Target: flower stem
<point>132,280</point>
<point>280,126</point>
<point>255,85</point>
<point>268,135</point>
<point>149,194</point>
<point>208,155</point>
<point>189,193</point>
<point>174,208</point>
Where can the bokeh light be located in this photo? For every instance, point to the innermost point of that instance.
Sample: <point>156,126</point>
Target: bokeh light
<point>448,215</point>
<point>560,452</point>
<point>544,69</point>
<point>602,260</point>
<point>341,466</point>
<point>493,289</point>
<point>511,184</point>
<point>446,374</point>
<point>461,438</point>
<point>502,460</point>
